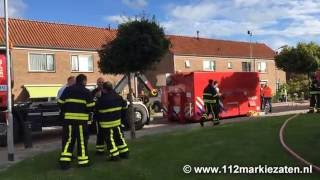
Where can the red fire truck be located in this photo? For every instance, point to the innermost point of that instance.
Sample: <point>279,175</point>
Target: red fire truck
<point>240,94</point>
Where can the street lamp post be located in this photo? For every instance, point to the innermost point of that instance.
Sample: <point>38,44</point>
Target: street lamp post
<point>9,111</point>
<point>254,64</point>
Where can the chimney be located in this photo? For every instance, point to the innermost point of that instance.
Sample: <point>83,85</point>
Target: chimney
<point>198,34</point>
<point>109,27</point>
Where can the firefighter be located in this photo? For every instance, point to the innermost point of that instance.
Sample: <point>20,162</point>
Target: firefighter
<point>76,102</point>
<point>70,82</point>
<point>314,90</point>
<point>110,107</point>
<point>210,97</point>
<point>97,94</point>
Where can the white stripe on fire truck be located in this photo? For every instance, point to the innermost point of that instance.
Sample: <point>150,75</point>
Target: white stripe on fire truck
<point>200,100</point>
<point>198,105</point>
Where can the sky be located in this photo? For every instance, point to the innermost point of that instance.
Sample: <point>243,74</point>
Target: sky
<point>273,22</point>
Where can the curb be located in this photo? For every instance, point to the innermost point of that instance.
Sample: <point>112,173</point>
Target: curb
<point>289,150</point>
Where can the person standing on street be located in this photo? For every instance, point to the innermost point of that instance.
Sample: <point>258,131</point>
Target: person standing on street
<point>71,81</point>
<point>110,107</point>
<point>210,103</point>
<point>261,97</point>
<point>76,103</point>
<point>267,97</point>
<point>97,93</point>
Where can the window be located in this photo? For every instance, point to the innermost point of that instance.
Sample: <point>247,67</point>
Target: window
<point>262,67</point>
<point>246,66</point>
<point>229,65</point>
<point>82,63</point>
<point>209,65</point>
<point>187,64</point>
<point>41,62</point>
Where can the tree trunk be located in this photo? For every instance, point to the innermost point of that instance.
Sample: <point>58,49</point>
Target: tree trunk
<point>131,112</point>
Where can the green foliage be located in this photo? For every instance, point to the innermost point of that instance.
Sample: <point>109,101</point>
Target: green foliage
<point>138,46</point>
<point>162,156</point>
<point>298,84</point>
<point>303,59</point>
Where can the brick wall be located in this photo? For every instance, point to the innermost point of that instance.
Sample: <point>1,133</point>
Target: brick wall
<point>22,75</point>
<point>221,64</point>
<point>271,75</point>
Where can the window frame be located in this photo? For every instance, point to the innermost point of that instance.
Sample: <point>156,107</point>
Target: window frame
<point>266,70</point>
<point>210,61</point>
<point>78,71</point>
<point>42,53</point>
<point>250,70</point>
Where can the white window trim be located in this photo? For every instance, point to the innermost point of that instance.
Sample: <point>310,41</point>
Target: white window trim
<point>263,81</point>
<point>187,64</point>
<point>210,60</point>
<point>258,67</point>
<point>78,63</point>
<point>44,71</point>
<point>231,65</point>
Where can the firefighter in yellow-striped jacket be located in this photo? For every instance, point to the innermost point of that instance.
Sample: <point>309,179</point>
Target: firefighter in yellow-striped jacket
<point>110,108</point>
<point>210,98</point>
<point>76,102</point>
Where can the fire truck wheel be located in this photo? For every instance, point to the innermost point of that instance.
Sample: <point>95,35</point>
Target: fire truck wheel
<point>140,115</point>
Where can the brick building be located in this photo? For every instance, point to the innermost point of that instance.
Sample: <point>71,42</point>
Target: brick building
<point>189,54</point>
<point>44,54</point>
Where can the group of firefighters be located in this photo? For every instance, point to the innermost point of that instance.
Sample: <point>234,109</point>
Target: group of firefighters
<point>77,104</point>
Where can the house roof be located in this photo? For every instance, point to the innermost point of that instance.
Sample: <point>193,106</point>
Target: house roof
<point>37,34</point>
<point>183,45</point>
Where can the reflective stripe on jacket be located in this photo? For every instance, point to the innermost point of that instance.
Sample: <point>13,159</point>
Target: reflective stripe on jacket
<point>76,103</point>
<point>110,109</point>
<point>210,95</point>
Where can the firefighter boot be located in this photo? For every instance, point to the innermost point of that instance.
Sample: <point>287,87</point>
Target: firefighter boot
<point>124,155</point>
<point>85,165</point>
<point>216,122</point>
<point>64,165</point>
<point>114,158</point>
<point>202,119</point>
<point>311,110</point>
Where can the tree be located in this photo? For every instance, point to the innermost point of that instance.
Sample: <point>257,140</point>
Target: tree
<point>138,46</point>
<point>298,84</point>
<point>303,59</point>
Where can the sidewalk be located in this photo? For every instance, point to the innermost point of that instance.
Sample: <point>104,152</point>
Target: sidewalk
<point>160,127</point>
<point>303,103</point>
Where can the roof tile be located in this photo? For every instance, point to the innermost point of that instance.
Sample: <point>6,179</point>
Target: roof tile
<point>36,34</point>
